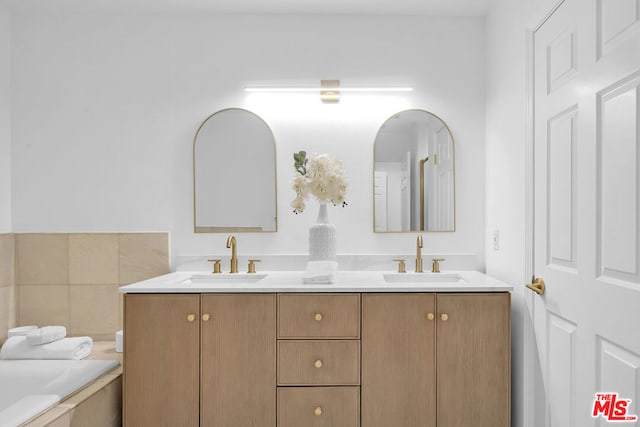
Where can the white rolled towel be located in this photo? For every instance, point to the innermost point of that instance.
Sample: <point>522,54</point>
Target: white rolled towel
<point>74,348</point>
<point>46,334</point>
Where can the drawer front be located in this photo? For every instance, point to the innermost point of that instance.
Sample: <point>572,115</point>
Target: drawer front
<point>319,362</point>
<point>319,316</point>
<point>318,406</point>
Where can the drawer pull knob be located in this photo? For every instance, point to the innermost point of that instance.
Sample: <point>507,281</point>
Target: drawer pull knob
<point>444,317</point>
<point>206,317</point>
<point>430,316</point>
<point>318,363</point>
<point>317,411</point>
<point>318,316</point>
<point>191,317</point>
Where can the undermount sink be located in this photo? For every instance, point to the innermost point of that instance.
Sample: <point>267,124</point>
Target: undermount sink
<point>227,278</point>
<point>422,278</point>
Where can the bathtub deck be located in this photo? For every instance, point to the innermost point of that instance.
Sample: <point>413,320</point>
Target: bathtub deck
<point>102,398</point>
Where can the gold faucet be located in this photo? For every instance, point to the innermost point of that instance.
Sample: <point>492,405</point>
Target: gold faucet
<point>419,254</point>
<point>231,243</point>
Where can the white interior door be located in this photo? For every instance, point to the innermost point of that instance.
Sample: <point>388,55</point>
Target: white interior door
<point>405,193</point>
<point>587,209</point>
<point>380,200</point>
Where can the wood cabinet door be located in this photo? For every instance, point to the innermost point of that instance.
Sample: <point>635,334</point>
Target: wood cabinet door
<point>161,361</point>
<point>474,355</point>
<point>238,360</point>
<point>398,360</point>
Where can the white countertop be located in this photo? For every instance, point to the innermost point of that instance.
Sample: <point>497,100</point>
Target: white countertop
<point>291,281</point>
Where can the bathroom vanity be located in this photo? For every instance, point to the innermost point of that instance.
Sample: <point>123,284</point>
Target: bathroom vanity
<point>370,350</point>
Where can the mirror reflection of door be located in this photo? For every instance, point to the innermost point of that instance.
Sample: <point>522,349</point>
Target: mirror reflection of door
<point>414,151</point>
<point>234,161</point>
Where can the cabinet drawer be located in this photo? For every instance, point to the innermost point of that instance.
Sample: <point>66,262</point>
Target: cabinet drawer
<point>319,406</point>
<point>319,362</point>
<point>318,316</point>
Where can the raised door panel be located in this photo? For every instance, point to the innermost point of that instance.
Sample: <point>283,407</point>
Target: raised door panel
<point>474,355</point>
<point>398,360</point>
<point>238,357</point>
<point>161,364</point>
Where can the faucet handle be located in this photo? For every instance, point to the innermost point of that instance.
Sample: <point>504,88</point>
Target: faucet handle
<point>216,265</point>
<point>252,265</point>
<point>435,268</point>
<point>401,265</point>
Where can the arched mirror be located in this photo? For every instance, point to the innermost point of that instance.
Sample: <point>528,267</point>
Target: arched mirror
<point>414,174</point>
<point>234,173</point>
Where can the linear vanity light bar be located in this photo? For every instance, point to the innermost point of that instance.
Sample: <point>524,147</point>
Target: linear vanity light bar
<point>316,89</point>
<point>329,90</point>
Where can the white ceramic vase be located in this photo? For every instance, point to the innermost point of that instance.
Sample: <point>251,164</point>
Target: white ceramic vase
<point>322,237</point>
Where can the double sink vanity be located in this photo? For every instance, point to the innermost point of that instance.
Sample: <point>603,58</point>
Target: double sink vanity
<point>263,349</point>
<point>371,349</point>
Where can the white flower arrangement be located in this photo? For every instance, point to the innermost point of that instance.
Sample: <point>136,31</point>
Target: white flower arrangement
<point>321,176</point>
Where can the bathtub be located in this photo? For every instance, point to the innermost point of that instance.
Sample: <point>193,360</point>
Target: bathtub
<point>28,387</point>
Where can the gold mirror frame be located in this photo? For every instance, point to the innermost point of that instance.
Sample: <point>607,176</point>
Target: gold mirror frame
<point>453,150</point>
<point>225,229</point>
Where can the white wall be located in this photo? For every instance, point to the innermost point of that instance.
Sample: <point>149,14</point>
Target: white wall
<point>5,121</point>
<point>505,165</point>
<point>106,107</point>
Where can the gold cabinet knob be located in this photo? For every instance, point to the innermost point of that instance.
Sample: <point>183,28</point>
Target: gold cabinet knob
<point>444,317</point>
<point>318,363</point>
<point>318,317</point>
<point>317,411</point>
<point>430,316</point>
<point>206,317</point>
<point>191,317</point>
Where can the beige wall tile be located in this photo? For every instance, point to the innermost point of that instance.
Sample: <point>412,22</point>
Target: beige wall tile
<point>121,314</point>
<point>7,260</point>
<point>95,310</point>
<point>7,311</point>
<point>142,256</point>
<point>93,259</point>
<point>43,305</point>
<point>42,259</point>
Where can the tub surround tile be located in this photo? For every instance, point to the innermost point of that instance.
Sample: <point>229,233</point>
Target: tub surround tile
<point>72,279</point>
<point>93,259</point>
<point>7,285</point>
<point>7,311</point>
<point>143,255</point>
<point>42,259</point>
<point>94,310</point>
<point>7,260</point>
<point>43,305</point>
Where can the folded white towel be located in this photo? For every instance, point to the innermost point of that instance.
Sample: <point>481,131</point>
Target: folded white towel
<point>67,348</point>
<point>320,273</point>
<point>21,330</point>
<point>46,334</point>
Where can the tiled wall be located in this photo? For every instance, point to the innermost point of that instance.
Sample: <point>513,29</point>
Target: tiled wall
<point>7,284</point>
<point>73,279</point>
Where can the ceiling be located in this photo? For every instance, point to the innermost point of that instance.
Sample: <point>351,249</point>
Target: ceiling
<point>350,7</point>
